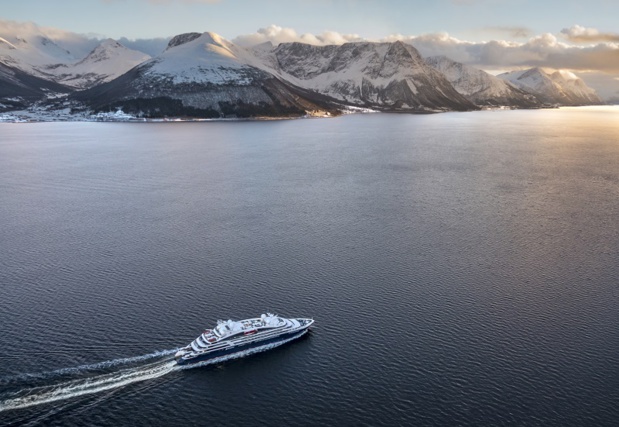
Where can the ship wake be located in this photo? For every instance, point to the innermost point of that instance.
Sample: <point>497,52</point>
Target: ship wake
<point>47,387</point>
<point>38,389</point>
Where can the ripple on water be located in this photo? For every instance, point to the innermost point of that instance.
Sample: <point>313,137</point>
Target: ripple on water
<point>461,267</point>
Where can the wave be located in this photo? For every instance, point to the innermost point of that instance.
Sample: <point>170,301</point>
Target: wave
<point>117,378</point>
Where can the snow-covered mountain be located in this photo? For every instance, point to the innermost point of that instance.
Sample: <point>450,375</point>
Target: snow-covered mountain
<point>204,75</point>
<point>104,63</point>
<point>39,56</point>
<point>18,89</point>
<point>201,75</point>
<point>203,57</point>
<point>385,76</point>
<point>20,83</point>
<point>30,53</point>
<point>479,87</point>
<point>553,88</point>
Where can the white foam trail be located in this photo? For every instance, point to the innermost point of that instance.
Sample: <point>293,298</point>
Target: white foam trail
<point>115,362</point>
<point>92,385</point>
<point>94,366</point>
<point>103,382</point>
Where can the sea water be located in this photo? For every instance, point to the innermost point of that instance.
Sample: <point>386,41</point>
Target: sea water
<point>462,269</point>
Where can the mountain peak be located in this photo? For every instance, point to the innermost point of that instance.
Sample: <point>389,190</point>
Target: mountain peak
<point>536,70</point>
<point>399,51</point>
<point>264,45</point>
<point>213,38</point>
<point>48,43</point>
<point>553,87</point>
<point>480,87</point>
<point>110,43</point>
<point>106,49</point>
<point>564,75</point>
<point>389,76</point>
<point>182,39</point>
<point>105,62</point>
<point>204,39</point>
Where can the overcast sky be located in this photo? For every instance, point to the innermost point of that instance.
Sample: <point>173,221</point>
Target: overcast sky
<point>580,35</point>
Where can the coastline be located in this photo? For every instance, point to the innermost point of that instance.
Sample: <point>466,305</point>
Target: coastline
<point>46,116</point>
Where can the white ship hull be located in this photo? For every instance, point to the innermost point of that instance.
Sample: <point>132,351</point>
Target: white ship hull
<point>231,337</point>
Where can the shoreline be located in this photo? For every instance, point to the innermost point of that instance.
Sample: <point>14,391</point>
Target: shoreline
<point>24,116</point>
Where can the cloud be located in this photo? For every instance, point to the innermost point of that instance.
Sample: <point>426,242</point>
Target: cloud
<point>605,85</point>
<point>79,45</point>
<point>578,34</point>
<point>598,63</point>
<point>151,47</point>
<point>544,50</point>
<point>566,50</point>
<point>276,34</point>
<point>437,44</point>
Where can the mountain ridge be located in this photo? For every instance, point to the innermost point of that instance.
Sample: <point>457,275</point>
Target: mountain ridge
<point>41,57</point>
<point>204,74</point>
<point>481,88</point>
<point>552,88</point>
<point>384,76</point>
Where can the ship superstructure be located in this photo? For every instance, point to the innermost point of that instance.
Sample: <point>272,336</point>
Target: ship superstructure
<point>231,336</point>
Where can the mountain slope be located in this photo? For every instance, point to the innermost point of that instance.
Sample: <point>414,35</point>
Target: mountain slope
<point>39,56</point>
<point>19,89</point>
<point>200,75</point>
<point>30,53</point>
<point>480,87</point>
<point>560,87</point>
<point>385,76</point>
<point>104,63</point>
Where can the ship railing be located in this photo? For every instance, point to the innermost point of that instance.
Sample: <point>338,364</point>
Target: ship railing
<point>243,339</point>
<point>263,333</point>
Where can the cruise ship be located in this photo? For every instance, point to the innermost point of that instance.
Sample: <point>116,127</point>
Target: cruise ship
<point>230,337</point>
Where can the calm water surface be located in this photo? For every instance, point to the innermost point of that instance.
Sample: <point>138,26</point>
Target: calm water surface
<point>463,269</point>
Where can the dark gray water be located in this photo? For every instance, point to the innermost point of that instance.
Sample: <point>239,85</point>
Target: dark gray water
<point>463,269</point>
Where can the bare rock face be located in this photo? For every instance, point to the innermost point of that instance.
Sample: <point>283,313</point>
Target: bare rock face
<point>182,39</point>
<point>384,76</point>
